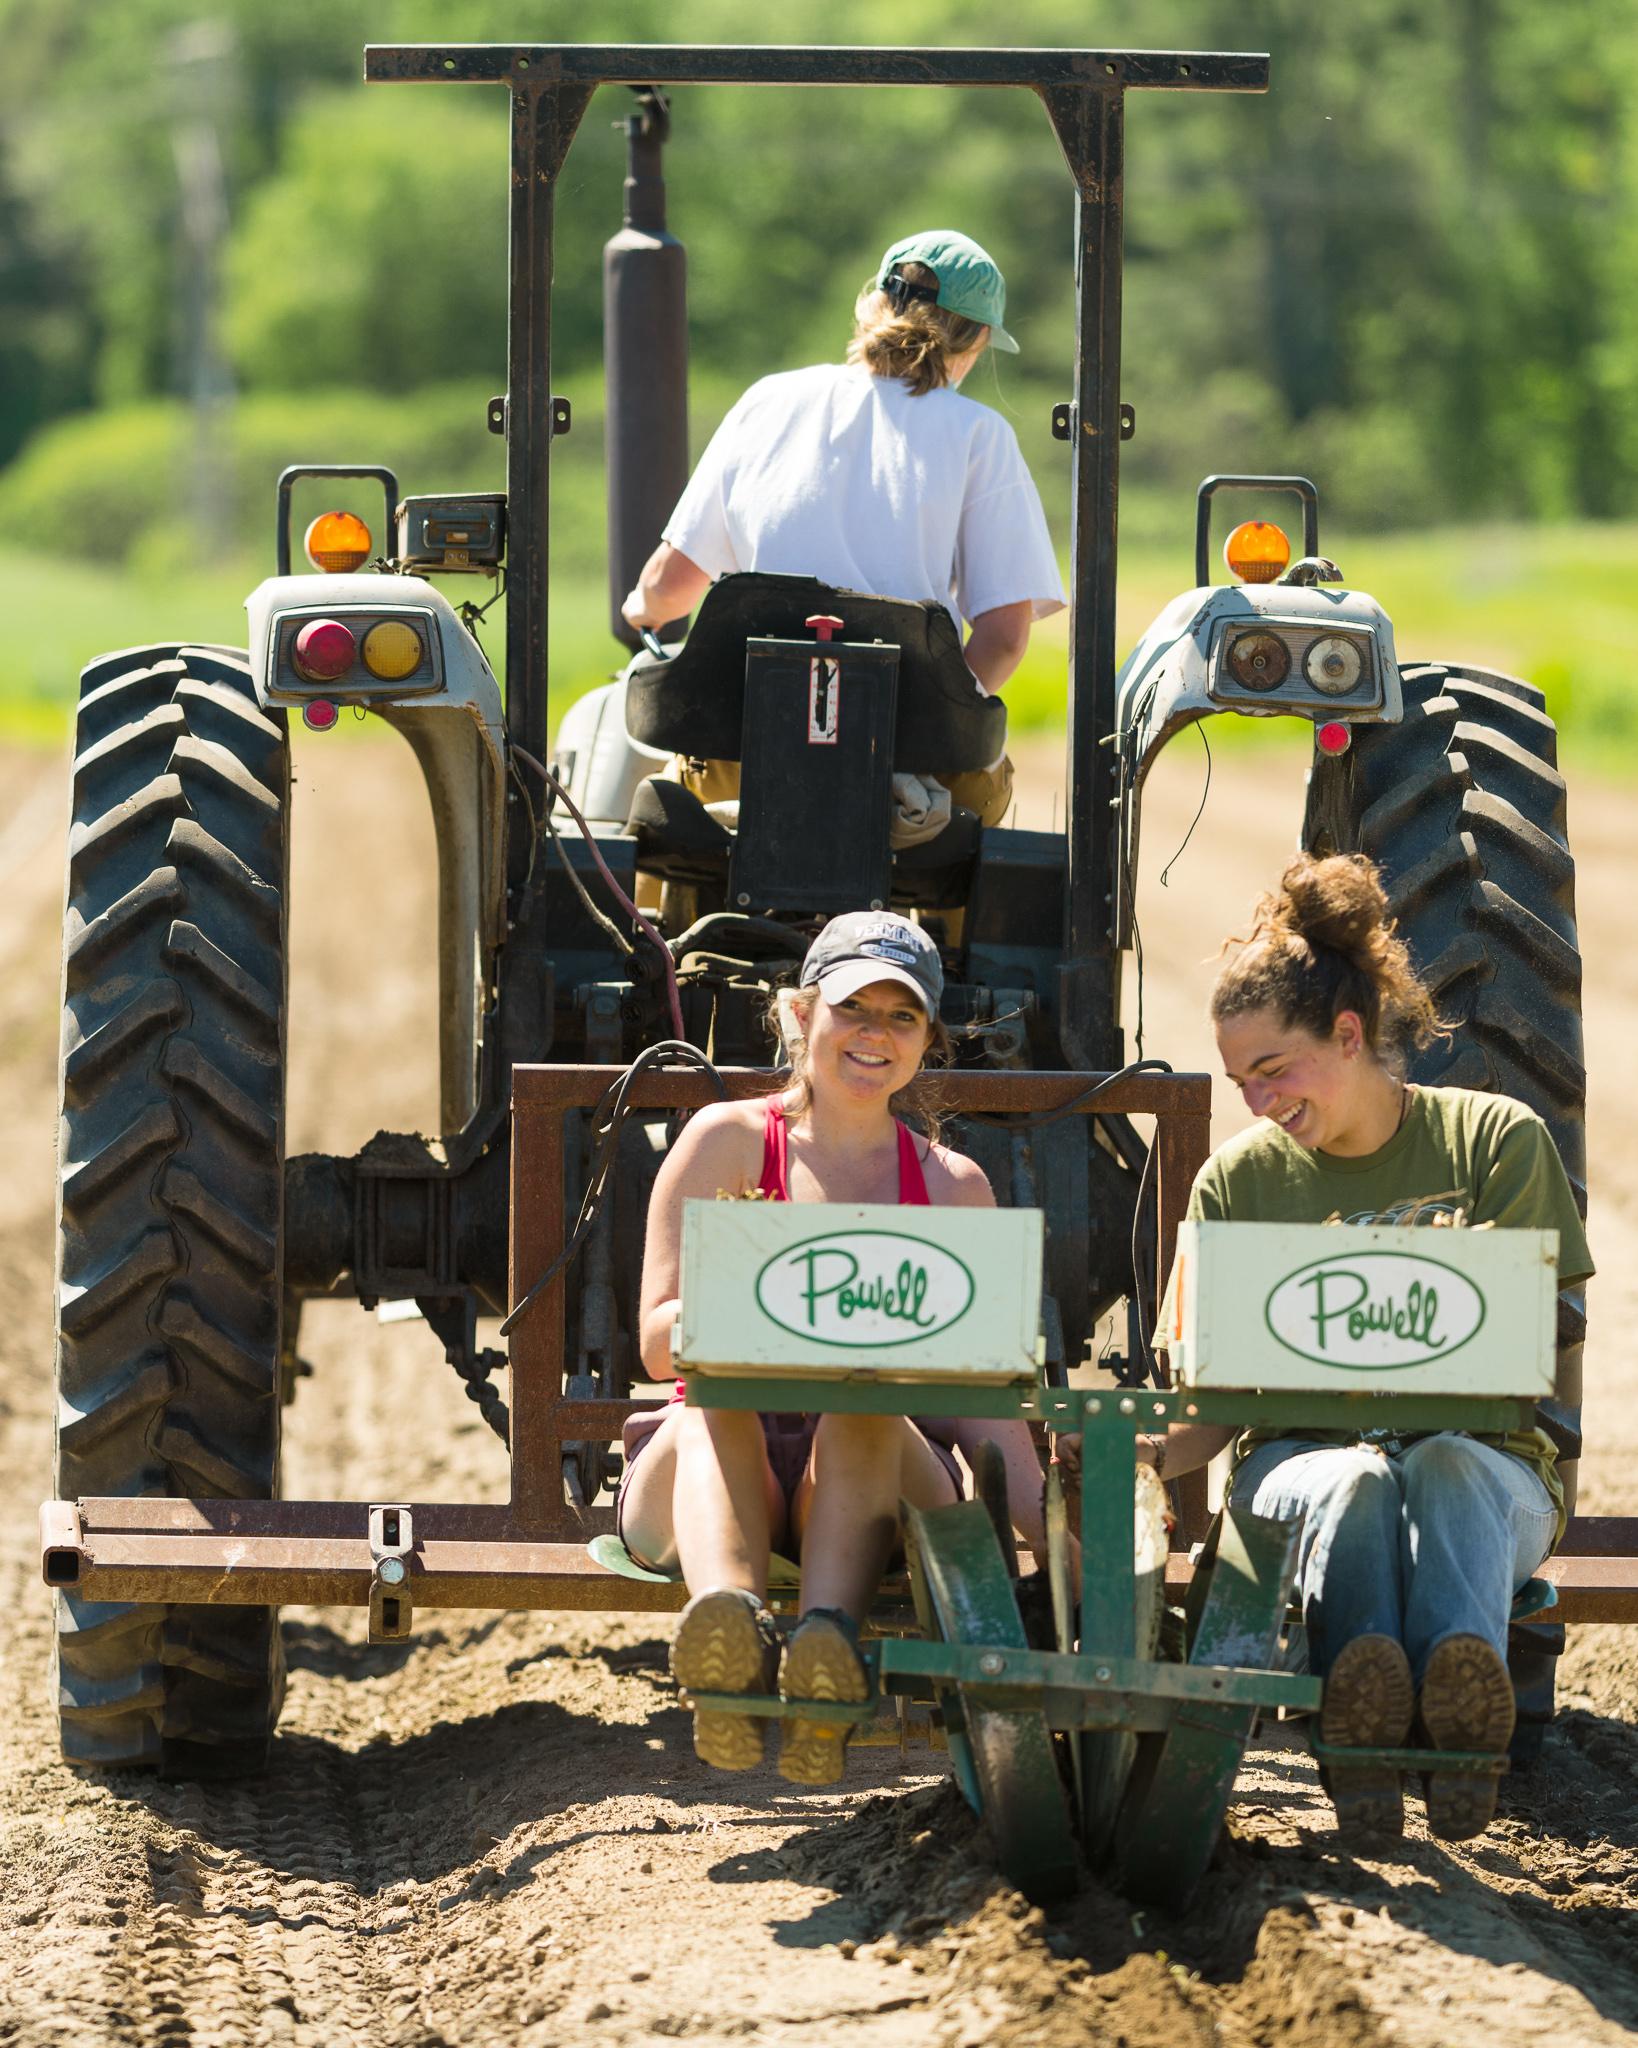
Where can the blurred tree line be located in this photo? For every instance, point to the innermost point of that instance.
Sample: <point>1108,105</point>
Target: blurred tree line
<point>1411,269</point>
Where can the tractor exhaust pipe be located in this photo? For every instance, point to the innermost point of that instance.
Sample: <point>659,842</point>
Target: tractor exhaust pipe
<point>645,362</point>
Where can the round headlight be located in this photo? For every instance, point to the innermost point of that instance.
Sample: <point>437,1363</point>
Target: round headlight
<point>323,650</point>
<point>1261,661</point>
<point>392,650</point>
<point>1333,665</point>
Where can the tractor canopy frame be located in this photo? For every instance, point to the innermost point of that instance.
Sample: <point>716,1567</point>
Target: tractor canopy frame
<point>1083,93</point>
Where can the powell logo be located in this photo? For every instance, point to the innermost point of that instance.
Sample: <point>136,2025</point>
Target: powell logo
<point>1382,1311</point>
<point>864,1289</point>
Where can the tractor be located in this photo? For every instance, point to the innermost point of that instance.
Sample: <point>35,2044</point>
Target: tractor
<point>604,937</point>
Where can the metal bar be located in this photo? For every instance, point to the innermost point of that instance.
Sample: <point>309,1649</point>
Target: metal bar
<point>1089,124</point>
<point>1108,1510</point>
<point>1181,1147</point>
<point>989,1091</point>
<point>859,1397</point>
<point>995,1675</point>
<point>768,1706</point>
<point>784,64</point>
<point>536,1346</point>
<point>1405,1413</point>
<point>209,1539</point>
<point>1601,1535</point>
<point>543,125</point>
<point>1590,1589</point>
<point>321,1521</point>
<point>301,1570</point>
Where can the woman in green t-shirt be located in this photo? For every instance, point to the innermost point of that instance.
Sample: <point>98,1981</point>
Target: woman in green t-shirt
<point>1412,1548</point>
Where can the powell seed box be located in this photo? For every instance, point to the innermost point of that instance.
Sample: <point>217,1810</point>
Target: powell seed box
<point>832,1290</point>
<point>1364,1308</point>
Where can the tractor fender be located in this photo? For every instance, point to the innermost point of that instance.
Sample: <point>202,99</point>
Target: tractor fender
<point>1175,676</point>
<point>449,711</point>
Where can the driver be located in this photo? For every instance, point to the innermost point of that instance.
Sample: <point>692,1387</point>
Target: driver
<point>877,475</point>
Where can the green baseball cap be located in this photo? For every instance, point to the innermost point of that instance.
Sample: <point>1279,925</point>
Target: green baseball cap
<point>969,279</point>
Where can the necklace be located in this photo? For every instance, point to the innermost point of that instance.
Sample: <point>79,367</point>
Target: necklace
<point>1404,1106</point>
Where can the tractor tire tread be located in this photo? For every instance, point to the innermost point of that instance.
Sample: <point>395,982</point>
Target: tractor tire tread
<point>172,1179</point>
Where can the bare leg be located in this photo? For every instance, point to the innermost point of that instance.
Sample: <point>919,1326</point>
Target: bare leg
<point>846,1511</point>
<point>702,1495</point>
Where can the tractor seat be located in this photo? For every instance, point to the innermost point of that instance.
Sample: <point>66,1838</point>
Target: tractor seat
<point>679,840</point>
<point>693,702</point>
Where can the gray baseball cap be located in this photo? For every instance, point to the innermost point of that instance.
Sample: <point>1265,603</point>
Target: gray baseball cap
<point>867,945</point>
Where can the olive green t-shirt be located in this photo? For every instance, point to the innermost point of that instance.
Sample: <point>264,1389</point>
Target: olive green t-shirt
<point>1485,1154</point>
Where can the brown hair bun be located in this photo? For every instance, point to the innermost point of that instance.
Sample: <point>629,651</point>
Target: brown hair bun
<point>1324,942</point>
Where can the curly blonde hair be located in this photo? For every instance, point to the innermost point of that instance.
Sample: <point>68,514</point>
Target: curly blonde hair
<point>1324,942</point>
<point>918,1101</point>
<point>918,345</point>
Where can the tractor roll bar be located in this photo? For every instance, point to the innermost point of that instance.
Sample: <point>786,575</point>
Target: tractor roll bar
<point>1083,92</point>
<point>541,65</point>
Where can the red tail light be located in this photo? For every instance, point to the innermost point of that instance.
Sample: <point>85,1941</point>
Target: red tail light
<point>324,650</point>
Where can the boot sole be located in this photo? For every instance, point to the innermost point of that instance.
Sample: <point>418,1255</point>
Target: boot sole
<point>1467,1703</point>
<point>820,1664</point>
<point>718,1648</point>
<point>1367,1705</point>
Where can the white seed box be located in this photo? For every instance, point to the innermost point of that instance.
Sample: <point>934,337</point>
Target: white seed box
<point>1364,1308</point>
<point>832,1290</point>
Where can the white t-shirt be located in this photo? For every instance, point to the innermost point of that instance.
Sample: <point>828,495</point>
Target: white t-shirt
<point>836,473</point>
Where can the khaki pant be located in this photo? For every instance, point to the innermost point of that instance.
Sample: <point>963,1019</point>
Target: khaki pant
<point>988,791</point>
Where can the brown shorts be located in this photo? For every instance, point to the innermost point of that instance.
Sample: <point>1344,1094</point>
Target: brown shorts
<point>789,1441</point>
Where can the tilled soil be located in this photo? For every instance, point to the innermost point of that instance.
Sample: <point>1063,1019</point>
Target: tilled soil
<point>499,1833</point>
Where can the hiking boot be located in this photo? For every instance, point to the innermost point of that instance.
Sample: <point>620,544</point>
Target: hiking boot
<point>725,1642</point>
<point>1466,1703</point>
<point>1366,1705</point>
<point>822,1662</point>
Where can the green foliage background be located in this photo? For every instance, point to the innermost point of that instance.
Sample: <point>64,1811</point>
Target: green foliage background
<point>1410,271</point>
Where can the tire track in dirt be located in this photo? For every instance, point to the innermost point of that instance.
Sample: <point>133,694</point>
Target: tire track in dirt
<point>498,1833</point>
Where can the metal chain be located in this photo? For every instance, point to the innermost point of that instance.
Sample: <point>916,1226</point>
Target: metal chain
<point>475,1379</point>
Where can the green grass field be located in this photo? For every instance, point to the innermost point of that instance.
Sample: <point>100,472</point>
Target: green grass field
<point>1557,605</point>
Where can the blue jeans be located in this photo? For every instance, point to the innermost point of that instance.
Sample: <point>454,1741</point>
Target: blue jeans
<point>1428,1542</point>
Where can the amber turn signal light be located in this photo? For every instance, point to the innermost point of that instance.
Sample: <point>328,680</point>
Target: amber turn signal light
<point>337,542</point>
<point>392,650</point>
<point>1256,551</point>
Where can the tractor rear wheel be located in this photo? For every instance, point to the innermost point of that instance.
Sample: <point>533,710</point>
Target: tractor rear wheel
<point>171,1181</point>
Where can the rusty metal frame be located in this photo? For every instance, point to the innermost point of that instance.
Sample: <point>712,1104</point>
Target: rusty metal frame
<point>530,1552</point>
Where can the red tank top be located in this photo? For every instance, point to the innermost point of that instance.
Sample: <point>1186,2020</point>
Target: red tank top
<point>775,1182</point>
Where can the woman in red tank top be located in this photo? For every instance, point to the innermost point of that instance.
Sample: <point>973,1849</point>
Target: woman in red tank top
<point>713,1491</point>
